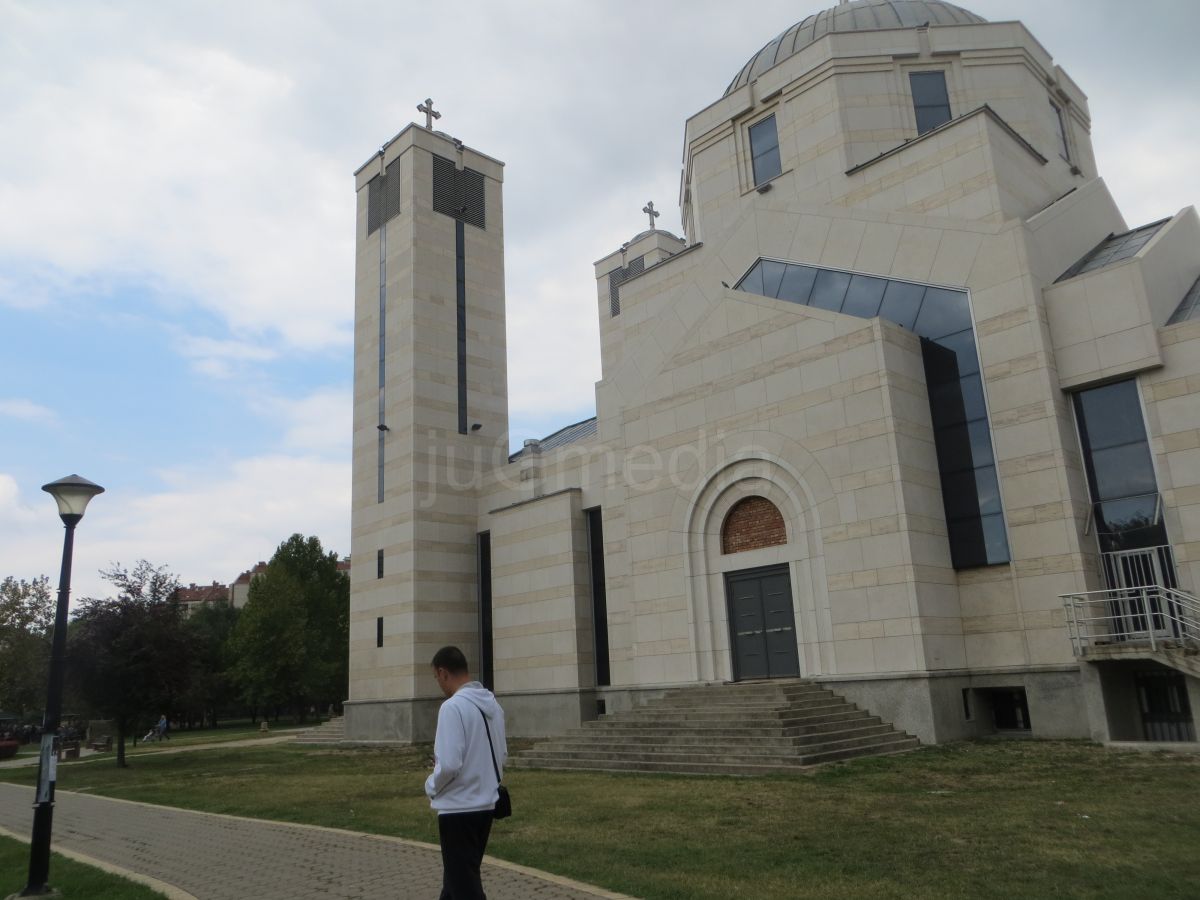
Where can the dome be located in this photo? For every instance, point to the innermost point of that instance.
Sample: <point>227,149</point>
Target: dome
<point>857,15</point>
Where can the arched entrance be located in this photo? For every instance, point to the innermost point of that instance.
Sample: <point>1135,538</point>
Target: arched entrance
<point>762,620</point>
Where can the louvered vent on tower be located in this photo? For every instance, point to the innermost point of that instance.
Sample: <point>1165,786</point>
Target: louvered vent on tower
<point>617,277</point>
<point>458,193</point>
<point>383,197</point>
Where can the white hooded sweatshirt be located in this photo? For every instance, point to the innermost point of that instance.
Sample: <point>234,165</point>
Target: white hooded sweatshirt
<point>463,779</point>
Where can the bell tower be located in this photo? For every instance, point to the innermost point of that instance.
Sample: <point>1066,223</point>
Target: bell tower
<point>430,417</point>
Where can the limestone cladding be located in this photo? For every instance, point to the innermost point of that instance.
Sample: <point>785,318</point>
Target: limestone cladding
<point>815,425</point>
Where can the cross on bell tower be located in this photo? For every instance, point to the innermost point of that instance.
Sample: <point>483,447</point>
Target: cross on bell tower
<point>430,115</point>
<point>652,212</point>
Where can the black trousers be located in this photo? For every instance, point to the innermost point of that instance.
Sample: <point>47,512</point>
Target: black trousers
<point>463,837</point>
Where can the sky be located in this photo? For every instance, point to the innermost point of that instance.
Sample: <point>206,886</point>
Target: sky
<point>177,224</point>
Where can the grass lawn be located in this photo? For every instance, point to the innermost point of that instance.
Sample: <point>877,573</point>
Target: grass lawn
<point>1002,819</point>
<point>75,880</point>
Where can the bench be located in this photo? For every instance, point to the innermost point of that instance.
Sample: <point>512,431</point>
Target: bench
<point>101,746</point>
<point>68,750</point>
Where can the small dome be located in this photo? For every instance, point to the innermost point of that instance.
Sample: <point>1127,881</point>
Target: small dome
<point>858,15</point>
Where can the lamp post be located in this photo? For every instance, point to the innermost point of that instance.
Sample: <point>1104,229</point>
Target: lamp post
<point>72,494</point>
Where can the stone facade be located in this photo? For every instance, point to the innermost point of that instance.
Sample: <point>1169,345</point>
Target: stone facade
<point>714,395</point>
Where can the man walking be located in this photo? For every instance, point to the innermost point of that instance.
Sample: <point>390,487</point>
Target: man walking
<point>463,786</point>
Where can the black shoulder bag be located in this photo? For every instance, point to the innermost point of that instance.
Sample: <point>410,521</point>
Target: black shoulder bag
<point>503,802</point>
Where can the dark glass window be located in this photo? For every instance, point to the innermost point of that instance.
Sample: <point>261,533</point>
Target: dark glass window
<point>829,290</point>
<point>943,312</point>
<point>1120,470</point>
<point>864,296</point>
<point>379,631</point>
<point>764,150</point>
<point>901,303</point>
<point>930,100</point>
<point>942,317</point>
<point>378,563</point>
<point>483,567</point>
<point>595,531</point>
<point>772,275</point>
<point>1064,149</point>
<point>752,281</point>
<point>1111,415</point>
<point>797,284</point>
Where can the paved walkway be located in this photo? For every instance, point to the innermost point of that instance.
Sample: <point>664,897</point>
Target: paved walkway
<point>93,755</point>
<point>217,857</point>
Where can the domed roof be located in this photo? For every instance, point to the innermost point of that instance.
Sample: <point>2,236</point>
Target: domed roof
<point>858,15</point>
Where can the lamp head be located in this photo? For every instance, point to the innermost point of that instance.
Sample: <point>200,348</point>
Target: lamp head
<point>72,495</point>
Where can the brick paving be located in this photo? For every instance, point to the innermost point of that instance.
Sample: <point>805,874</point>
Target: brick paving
<point>216,857</point>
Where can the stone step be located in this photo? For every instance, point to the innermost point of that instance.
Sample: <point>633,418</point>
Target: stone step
<point>688,738</point>
<point>731,695</point>
<point>834,750</point>
<point>747,728</point>
<point>733,712</point>
<point>784,725</point>
<point>330,732</point>
<point>791,747</point>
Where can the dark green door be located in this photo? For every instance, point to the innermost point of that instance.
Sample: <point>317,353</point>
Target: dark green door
<point>761,623</point>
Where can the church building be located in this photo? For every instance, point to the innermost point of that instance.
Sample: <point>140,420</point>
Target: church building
<point>909,410</point>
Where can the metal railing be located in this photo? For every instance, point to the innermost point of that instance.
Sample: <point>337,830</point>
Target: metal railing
<point>1147,615</point>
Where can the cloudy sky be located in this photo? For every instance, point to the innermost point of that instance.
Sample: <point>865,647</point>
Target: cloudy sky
<point>177,223</point>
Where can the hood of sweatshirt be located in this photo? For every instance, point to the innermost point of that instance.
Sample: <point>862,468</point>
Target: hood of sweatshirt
<point>476,693</point>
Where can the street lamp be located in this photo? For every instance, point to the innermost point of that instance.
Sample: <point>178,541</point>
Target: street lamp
<point>72,495</point>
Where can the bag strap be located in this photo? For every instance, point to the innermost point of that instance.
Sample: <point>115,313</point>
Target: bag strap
<point>492,749</point>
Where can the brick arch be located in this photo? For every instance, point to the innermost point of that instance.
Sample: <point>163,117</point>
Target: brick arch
<point>752,523</point>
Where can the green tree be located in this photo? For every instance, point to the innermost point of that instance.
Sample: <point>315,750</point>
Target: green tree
<point>129,656</point>
<point>26,619</point>
<point>210,689</point>
<point>290,643</point>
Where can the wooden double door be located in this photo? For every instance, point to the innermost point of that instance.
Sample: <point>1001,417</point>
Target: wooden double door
<point>762,623</point>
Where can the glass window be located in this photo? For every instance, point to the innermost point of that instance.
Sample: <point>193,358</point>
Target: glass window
<point>1123,471</point>
<point>829,290</point>
<point>942,312</point>
<point>752,282</point>
<point>962,345</point>
<point>1119,467</point>
<point>772,275</point>
<point>942,317</point>
<point>956,402</point>
<point>797,284</point>
<point>901,303</point>
<point>864,296</point>
<point>764,150</point>
<point>964,446</point>
<point>1110,415</point>
<point>995,541</point>
<point>930,99</point>
<point>1064,149</point>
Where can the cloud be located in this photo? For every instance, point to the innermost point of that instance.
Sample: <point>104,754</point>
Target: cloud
<point>223,358</point>
<point>320,422</point>
<point>201,525</point>
<point>28,411</point>
<point>165,163</point>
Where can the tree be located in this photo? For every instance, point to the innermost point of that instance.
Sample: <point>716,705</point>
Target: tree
<point>26,618</point>
<point>290,643</point>
<point>129,656</point>
<point>210,688</point>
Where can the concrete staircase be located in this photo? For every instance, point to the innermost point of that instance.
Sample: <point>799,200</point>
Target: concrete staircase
<point>332,732</point>
<point>749,728</point>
